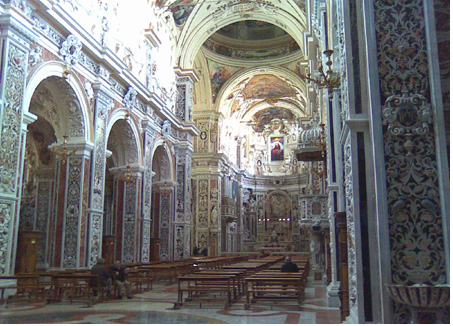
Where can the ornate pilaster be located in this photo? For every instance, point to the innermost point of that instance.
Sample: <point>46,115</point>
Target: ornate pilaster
<point>45,180</point>
<point>71,211</point>
<point>413,155</point>
<point>184,98</point>
<point>128,184</point>
<point>16,37</point>
<point>182,217</point>
<point>166,211</point>
<point>147,191</point>
<point>102,104</point>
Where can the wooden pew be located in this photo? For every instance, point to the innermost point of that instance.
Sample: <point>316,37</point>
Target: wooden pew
<point>238,281</point>
<point>278,285</point>
<point>197,284</point>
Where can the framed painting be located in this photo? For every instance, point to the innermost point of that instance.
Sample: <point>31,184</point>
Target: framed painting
<point>277,144</point>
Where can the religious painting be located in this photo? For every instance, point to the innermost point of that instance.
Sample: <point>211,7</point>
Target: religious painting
<point>276,148</point>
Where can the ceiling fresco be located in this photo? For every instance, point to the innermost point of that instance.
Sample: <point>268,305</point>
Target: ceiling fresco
<point>265,117</point>
<point>267,86</point>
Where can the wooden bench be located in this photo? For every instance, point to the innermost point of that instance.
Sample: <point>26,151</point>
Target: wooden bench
<point>279,285</point>
<point>27,286</point>
<point>198,284</point>
<point>76,287</point>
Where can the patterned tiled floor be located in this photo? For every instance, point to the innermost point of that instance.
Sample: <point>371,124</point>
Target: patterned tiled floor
<point>157,307</point>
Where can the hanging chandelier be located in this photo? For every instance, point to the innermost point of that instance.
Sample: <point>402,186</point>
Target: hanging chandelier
<point>64,152</point>
<point>326,79</point>
<point>128,176</point>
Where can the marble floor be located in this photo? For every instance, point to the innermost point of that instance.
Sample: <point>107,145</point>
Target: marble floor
<point>157,307</point>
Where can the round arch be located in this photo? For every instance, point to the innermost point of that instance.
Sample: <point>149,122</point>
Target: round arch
<point>211,17</point>
<point>57,69</point>
<point>134,137</point>
<point>162,142</point>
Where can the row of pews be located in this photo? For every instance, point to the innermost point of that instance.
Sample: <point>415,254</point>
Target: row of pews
<point>76,285</point>
<point>258,279</point>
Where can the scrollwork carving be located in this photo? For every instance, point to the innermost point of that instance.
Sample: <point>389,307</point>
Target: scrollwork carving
<point>407,115</point>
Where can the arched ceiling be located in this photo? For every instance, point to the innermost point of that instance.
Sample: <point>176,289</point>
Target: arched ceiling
<point>248,52</point>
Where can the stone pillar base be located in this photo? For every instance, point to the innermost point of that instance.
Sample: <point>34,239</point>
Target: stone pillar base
<point>333,299</point>
<point>353,317</point>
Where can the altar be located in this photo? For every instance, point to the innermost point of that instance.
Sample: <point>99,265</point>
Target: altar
<point>267,250</point>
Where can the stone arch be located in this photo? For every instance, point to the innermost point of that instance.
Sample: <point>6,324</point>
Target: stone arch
<point>129,150</point>
<point>70,94</point>
<point>220,14</point>
<point>161,147</point>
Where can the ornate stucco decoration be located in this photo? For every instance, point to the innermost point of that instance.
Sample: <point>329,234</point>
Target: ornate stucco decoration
<point>130,99</point>
<point>35,56</point>
<point>166,128</point>
<point>71,50</point>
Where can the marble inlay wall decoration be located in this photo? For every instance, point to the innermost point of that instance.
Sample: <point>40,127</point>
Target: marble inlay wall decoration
<point>129,221</point>
<point>203,209</point>
<point>181,187</point>
<point>164,230</point>
<point>102,105</point>
<point>146,236</point>
<point>72,213</point>
<point>350,217</point>
<point>13,84</point>
<point>43,211</point>
<point>188,191</point>
<point>6,236</point>
<point>179,242</point>
<point>147,196</point>
<point>181,101</point>
<point>413,196</point>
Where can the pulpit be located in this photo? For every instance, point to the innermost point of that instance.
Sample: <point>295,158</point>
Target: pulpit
<point>27,251</point>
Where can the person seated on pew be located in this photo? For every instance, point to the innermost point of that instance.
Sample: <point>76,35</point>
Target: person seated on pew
<point>104,276</point>
<point>204,252</point>
<point>289,266</point>
<point>118,271</point>
<point>195,251</point>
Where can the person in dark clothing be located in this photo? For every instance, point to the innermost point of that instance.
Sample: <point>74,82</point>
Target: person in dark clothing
<point>204,252</point>
<point>289,266</point>
<point>118,272</point>
<point>195,251</point>
<point>104,275</point>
